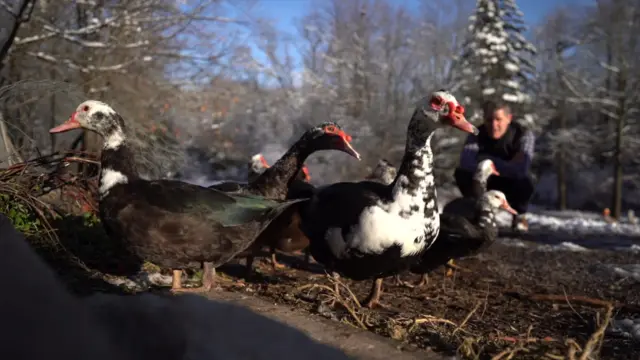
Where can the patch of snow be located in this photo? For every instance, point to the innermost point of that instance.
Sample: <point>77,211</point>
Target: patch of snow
<point>580,225</point>
<point>566,246</point>
<point>629,328</point>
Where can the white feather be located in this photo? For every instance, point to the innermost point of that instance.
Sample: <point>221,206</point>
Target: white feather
<point>109,178</point>
<point>114,140</point>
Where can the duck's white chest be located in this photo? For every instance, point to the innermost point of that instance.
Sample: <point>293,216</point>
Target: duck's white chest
<point>401,223</point>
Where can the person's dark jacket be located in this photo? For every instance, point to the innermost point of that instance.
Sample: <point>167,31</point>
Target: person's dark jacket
<point>501,151</point>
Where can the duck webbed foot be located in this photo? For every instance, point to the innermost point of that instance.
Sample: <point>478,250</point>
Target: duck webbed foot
<point>399,282</point>
<point>424,280</point>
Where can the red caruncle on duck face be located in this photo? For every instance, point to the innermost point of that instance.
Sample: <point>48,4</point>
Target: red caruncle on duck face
<point>339,139</point>
<point>451,112</point>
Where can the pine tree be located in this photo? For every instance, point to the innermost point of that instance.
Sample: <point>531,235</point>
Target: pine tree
<point>495,63</point>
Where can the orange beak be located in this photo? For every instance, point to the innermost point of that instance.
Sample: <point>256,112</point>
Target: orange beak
<point>506,206</point>
<point>458,120</point>
<point>264,162</point>
<point>70,124</point>
<point>305,170</point>
<point>494,171</point>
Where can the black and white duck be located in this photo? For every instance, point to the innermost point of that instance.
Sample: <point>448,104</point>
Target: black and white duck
<point>281,182</point>
<point>369,230</point>
<point>384,172</point>
<point>465,206</point>
<point>462,236</point>
<point>168,222</point>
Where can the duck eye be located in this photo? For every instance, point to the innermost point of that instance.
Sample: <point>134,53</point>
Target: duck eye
<point>85,108</point>
<point>330,129</point>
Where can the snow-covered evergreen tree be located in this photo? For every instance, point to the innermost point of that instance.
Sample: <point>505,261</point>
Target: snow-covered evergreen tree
<point>495,63</point>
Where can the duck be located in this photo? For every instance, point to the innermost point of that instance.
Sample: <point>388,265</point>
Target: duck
<point>288,237</point>
<point>170,223</point>
<point>258,164</point>
<point>281,182</point>
<point>464,206</point>
<point>384,172</point>
<point>369,230</point>
<point>105,326</point>
<point>462,236</point>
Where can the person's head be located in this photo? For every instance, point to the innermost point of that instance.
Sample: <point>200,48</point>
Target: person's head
<point>497,117</point>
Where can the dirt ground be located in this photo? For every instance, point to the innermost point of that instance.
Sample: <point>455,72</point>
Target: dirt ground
<point>484,308</point>
<point>484,311</point>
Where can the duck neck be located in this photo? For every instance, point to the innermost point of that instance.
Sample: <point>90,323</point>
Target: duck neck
<point>478,186</point>
<point>117,163</point>
<point>274,182</point>
<point>415,176</point>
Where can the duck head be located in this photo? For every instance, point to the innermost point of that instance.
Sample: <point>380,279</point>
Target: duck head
<point>497,200</point>
<point>485,169</point>
<point>440,109</point>
<point>328,136</point>
<point>258,163</point>
<point>92,115</point>
<point>98,117</point>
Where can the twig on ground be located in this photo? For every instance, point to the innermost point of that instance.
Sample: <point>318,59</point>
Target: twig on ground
<point>598,336</point>
<point>573,298</point>
<point>338,299</point>
<point>464,322</point>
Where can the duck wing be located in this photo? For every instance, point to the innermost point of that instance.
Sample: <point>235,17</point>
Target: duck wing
<point>211,205</point>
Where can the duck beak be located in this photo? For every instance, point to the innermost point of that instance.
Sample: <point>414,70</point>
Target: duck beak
<point>264,162</point>
<point>307,177</point>
<point>458,120</point>
<point>494,171</point>
<point>70,124</point>
<point>506,206</point>
<point>346,146</point>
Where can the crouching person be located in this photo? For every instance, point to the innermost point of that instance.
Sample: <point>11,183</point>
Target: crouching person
<point>510,146</point>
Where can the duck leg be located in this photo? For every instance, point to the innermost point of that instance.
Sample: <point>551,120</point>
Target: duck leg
<point>176,280</point>
<point>450,266</point>
<point>373,300</point>
<point>249,266</point>
<point>274,261</point>
<point>208,275</point>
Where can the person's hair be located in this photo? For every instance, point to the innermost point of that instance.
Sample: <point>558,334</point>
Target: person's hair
<point>490,106</point>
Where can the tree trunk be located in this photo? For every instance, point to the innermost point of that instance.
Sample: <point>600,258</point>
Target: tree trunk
<point>561,164</point>
<point>616,203</point>
<point>90,141</point>
<point>11,18</point>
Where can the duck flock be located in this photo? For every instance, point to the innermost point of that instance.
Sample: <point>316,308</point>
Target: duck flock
<point>380,227</point>
<point>367,230</point>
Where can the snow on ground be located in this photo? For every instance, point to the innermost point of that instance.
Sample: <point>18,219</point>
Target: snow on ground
<point>629,328</point>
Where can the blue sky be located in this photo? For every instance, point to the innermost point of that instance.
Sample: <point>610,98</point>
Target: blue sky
<point>286,12</point>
